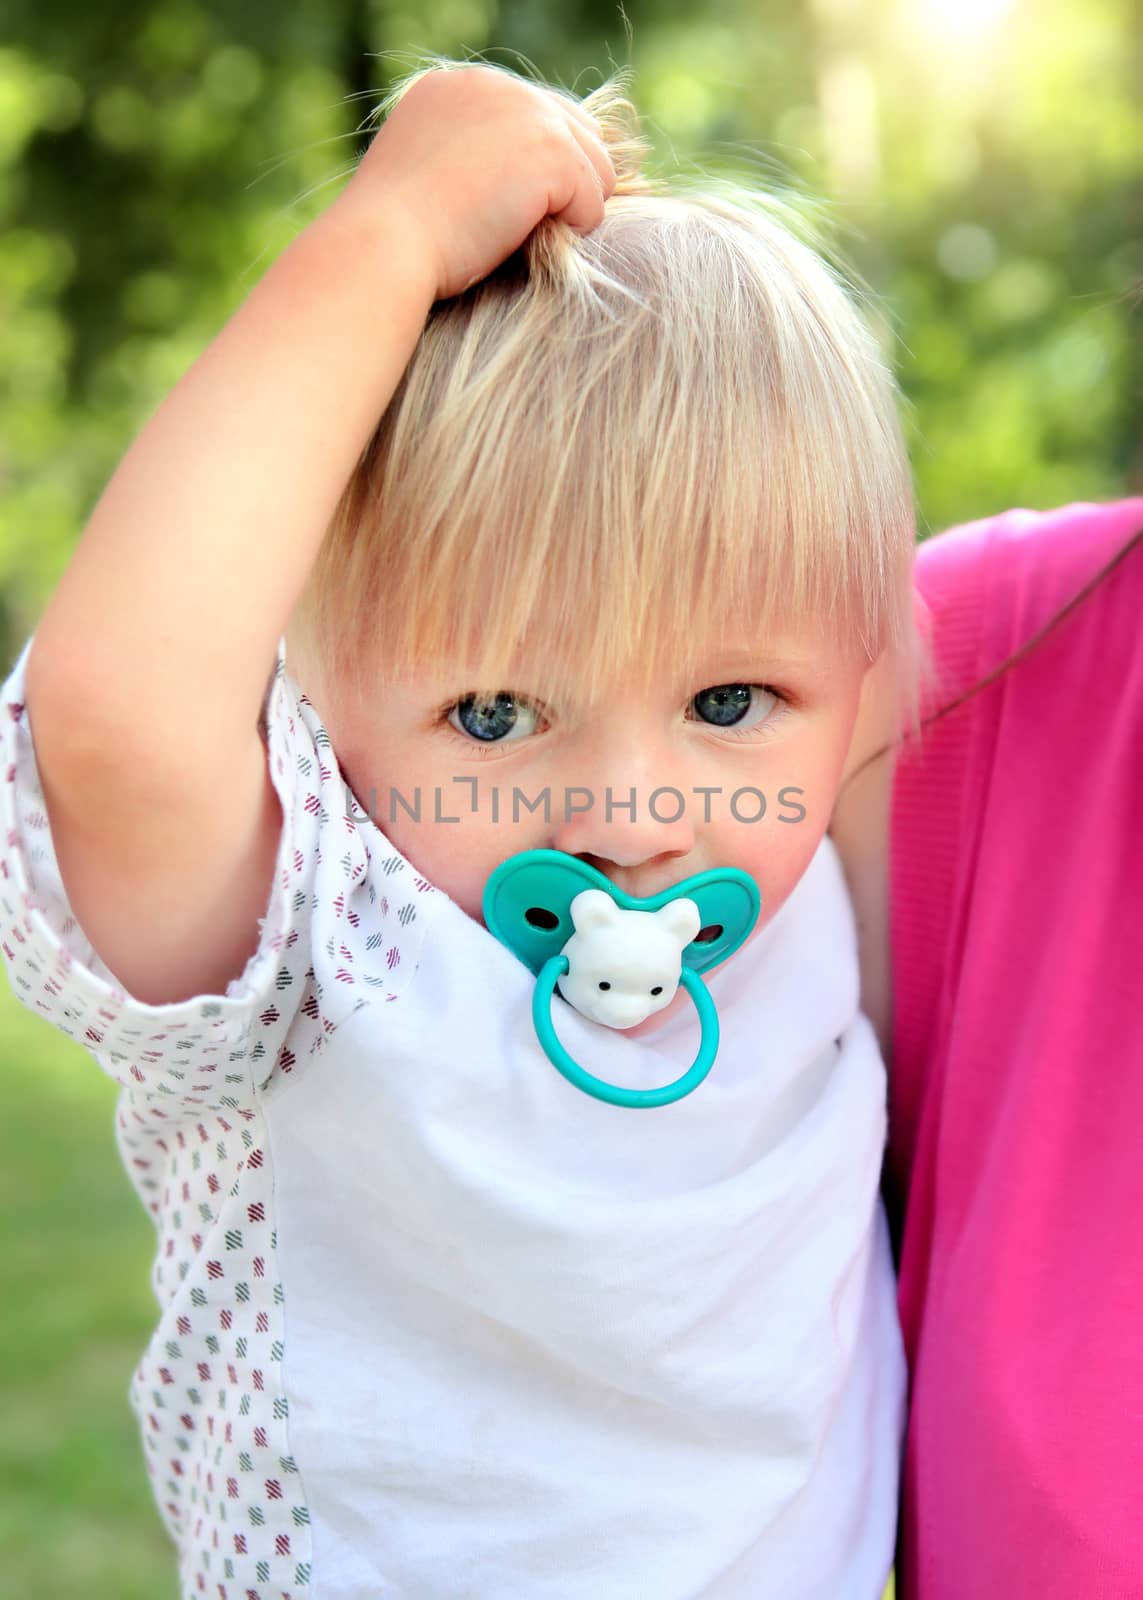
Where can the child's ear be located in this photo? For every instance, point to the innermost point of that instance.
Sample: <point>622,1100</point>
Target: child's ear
<point>873,728</point>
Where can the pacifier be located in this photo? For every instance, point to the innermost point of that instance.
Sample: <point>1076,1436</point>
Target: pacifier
<point>614,958</point>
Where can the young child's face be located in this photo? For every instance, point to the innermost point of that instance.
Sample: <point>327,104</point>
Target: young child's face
<point>773,723</point>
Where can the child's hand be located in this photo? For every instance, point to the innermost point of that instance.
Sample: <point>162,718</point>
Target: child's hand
<point>473,158</point>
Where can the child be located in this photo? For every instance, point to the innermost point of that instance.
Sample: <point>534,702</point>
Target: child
<point>635,521</point>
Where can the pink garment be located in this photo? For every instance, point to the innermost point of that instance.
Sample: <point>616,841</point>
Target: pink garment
<point>1016,1100</point>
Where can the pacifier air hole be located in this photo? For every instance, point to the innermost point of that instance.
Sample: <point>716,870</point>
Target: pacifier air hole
<point>539,917</point>
<point>708,934</point>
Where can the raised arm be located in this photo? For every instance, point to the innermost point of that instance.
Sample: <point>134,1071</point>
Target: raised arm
<point>148,668</point>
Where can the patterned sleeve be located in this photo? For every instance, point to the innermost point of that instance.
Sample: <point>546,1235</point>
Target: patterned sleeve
<point>202,1052</point>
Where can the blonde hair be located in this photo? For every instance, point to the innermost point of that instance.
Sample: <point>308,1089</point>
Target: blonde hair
<point>621,445</point>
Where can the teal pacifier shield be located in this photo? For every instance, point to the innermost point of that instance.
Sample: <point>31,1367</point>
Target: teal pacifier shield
<point>527,902</point>
<point>527,906</point>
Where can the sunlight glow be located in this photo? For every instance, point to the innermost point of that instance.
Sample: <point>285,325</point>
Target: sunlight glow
<point>961,18</point>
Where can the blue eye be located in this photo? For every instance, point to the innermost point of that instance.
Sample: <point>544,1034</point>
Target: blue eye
<point>492,718</point>
<point>485,722</point>
<point>744,710</point>
<point>723,705</point>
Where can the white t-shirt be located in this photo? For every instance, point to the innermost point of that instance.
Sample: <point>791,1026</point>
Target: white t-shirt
<point>434,1323</point>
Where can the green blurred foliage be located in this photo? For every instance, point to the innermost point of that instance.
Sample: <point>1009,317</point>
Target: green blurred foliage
<point>981,164</point>
<point>980,160</point>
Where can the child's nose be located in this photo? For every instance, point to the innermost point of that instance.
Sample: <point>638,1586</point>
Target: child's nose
<point>646,830</point>
<point>627,801</point>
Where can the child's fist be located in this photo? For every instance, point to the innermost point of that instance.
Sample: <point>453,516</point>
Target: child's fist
<point>472,158</point>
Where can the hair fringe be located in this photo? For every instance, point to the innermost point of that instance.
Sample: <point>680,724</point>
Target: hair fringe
<point>695,363</point>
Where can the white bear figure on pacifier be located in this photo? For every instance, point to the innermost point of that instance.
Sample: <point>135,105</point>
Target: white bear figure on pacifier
<point>625,965</point>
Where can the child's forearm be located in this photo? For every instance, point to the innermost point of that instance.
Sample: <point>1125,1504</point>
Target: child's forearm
<point>161,634</point>
<point>148,668</point>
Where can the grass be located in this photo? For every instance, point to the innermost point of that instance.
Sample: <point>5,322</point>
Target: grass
<point>76,1512</point>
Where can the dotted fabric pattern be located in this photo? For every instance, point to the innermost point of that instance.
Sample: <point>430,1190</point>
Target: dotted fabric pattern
<point>343,925</point>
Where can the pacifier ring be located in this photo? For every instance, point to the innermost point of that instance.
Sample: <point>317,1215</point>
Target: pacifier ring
<point>613,1093</point>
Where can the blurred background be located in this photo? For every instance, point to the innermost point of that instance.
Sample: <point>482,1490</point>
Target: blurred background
<point>979,162</point>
